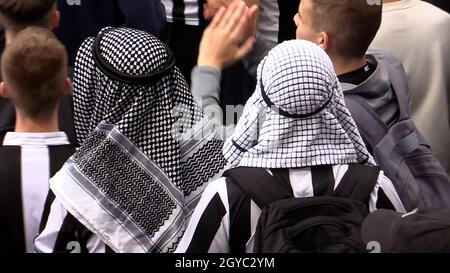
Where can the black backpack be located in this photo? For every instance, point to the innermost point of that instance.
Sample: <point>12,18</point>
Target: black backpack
<point>320,224</point>
<point>400,150</point>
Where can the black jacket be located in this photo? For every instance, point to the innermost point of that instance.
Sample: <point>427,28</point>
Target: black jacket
<point>79,21</point>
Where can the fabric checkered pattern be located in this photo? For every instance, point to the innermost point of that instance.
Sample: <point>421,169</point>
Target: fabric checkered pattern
<point>115,103</point>
<point>297,116</point>
<point>130,153</point>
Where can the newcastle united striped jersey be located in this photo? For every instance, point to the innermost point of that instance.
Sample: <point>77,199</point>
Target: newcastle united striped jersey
<point>210,226</point>
<point>222,203</point>
<point>189,12</point>
<point>27,161</point>
<point>60,232</point>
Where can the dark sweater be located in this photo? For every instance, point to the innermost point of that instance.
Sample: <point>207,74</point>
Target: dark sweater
<point>81,21</point>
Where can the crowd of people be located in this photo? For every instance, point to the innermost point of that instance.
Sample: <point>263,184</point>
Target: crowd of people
<point>224,126</point>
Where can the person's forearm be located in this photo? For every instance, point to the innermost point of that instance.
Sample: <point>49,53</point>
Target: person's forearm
<point>206,90</point>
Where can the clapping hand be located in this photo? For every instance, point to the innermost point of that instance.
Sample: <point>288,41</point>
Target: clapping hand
<point>229,36</point>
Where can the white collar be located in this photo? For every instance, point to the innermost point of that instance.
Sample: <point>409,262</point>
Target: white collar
<point>35,139</point>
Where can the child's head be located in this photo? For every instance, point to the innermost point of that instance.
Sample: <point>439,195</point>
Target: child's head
<point>16,15</point>
<point>34,70</point>
<point>344,28</point>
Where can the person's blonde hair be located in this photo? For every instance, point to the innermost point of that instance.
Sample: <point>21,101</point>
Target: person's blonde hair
<point>34,68</point>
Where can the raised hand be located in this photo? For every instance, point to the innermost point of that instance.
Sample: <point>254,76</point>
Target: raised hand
<point>226,40</point>
<point>211,7</point>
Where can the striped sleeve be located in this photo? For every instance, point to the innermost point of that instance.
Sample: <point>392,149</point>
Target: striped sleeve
<point>61,232</point>
<point>384,196</point>
<point>208,230</point>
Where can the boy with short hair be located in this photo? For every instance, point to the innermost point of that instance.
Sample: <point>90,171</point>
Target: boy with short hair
<point>16,15</point>
<point>36,149</point>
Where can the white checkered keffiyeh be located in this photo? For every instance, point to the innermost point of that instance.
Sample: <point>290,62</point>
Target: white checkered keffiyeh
<point>297,116</point>
<point>147,151</point>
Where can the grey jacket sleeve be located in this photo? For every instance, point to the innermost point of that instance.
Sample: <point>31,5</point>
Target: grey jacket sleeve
<point>206,91</point>
<point>205,88</point>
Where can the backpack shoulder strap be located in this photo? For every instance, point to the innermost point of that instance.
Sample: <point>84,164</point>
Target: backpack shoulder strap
<point>12,229</point>
<point>358,182</point>
<point>322,180</point>
<point>262,187</point>
<point>244,183</point>
<point>370,126</point>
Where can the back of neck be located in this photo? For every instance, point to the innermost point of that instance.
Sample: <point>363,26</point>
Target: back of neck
<point>26,124</point>
<point>9,36</point>
<point>342,66</point>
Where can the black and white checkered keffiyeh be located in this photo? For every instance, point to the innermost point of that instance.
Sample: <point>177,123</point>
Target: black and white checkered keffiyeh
<point>297,116</point>
<point>147,151</point>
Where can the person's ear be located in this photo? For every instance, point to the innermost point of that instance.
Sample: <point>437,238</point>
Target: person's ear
<point>324,41</point>
<point>55,20</point>
<point>68,87</point>
<point>4,90</point>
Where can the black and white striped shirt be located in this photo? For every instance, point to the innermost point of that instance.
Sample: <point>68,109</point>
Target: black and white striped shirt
<point>62,233</point>
<point>211,223</point>
<point>189,12</point>
<point>27,161</point>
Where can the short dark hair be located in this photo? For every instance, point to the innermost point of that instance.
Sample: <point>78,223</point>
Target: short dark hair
<point>352,24</point>
<point>34,68</point>
<point>19,14</point>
